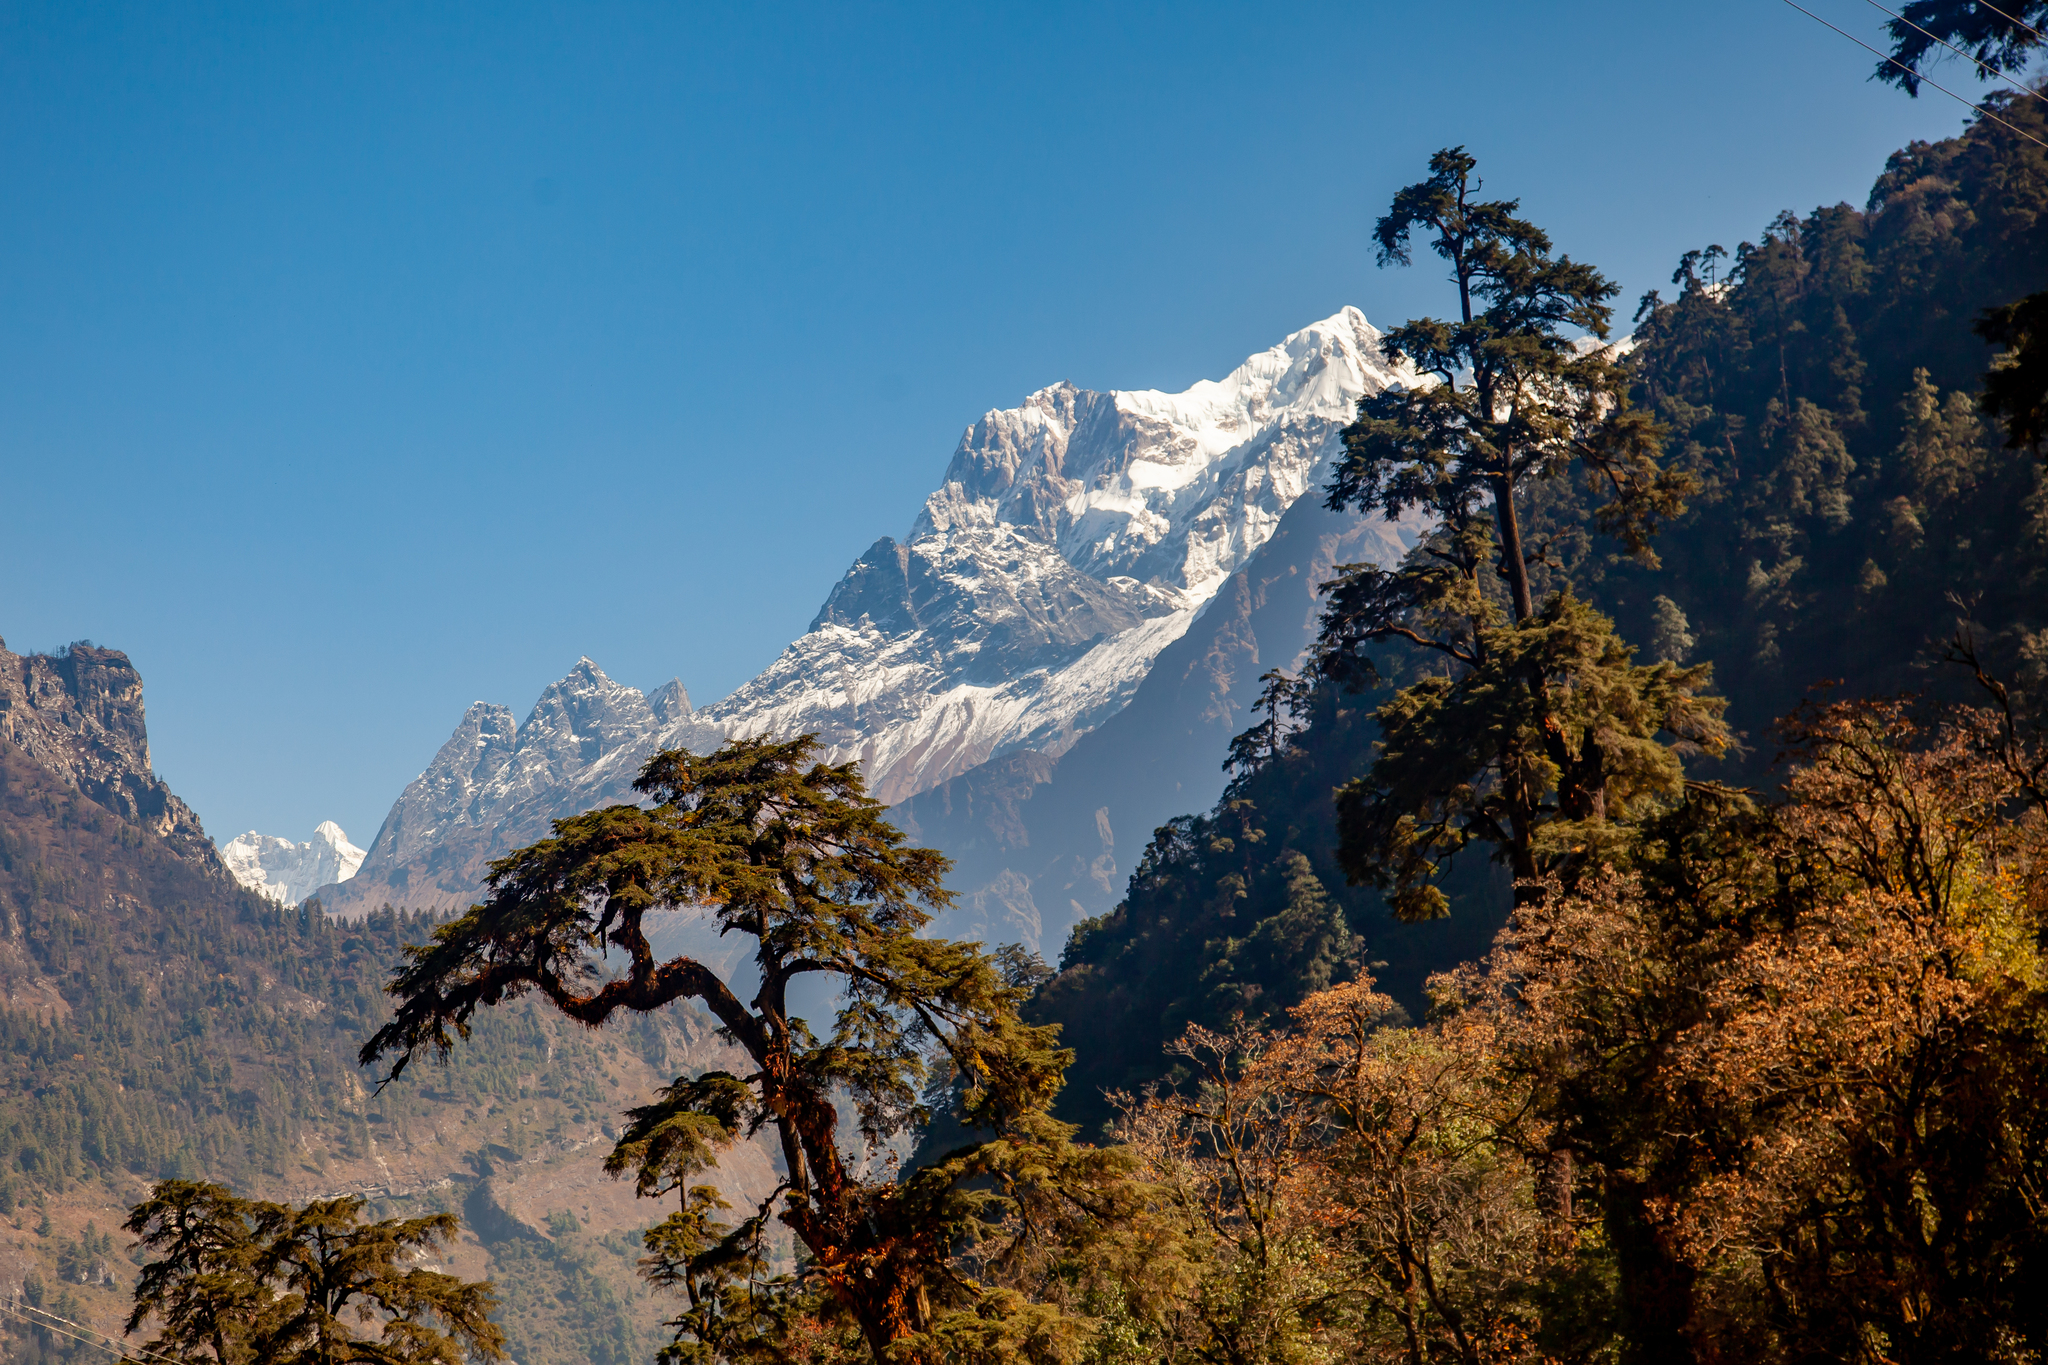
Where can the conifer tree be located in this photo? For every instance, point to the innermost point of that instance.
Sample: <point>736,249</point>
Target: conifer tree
<point>243,1280</point>
<point>792,854</point>
<point>1533,729</point>
<point>1998,38</point>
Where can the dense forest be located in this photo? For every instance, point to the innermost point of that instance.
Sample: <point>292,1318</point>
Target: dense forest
<point>1851,511</point>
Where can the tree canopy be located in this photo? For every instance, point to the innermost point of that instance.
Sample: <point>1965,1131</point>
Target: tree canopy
<point>1523,715</point>
<point>248,1282</point>
<point>794,855</point>
<point>1996,38</point>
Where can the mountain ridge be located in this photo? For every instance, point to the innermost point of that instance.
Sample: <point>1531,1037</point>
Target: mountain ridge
<point>1072,540</point>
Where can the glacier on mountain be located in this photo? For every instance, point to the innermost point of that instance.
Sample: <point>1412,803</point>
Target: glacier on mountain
<point>1071,540</point>
<point>289,872</point>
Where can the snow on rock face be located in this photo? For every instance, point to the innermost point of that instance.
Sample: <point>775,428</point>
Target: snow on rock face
<point>586,733</point>
<point>1072,539</point>
<point>287,872</point>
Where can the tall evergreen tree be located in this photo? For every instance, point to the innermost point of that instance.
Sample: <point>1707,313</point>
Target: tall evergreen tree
<point>243,1280</point>
<point>1532,729</point>
<point>794,855</point>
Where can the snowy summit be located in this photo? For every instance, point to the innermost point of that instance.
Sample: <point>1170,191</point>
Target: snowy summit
<point>288,872</point>
<point>1071,539</point>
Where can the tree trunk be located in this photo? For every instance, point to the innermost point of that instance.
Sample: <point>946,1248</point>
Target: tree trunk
<point>1656,1286</point>
<point>1511,547</point>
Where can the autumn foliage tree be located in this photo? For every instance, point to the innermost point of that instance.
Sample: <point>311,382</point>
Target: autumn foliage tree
<point>1798,1053</point>
<point>1794,1051</point>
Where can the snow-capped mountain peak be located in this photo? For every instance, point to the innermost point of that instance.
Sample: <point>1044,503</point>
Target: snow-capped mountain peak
<point>1071,539</point>
<point>288,872</point>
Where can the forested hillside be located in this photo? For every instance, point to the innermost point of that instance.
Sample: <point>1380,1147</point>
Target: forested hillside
<point>162,1023</point>
<point>1850,511</point>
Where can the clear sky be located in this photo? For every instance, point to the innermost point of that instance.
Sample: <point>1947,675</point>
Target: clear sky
<point>361,361</point>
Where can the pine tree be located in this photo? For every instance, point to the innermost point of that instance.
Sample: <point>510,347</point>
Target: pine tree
<point>1532,730</point>
<point>794,855</point>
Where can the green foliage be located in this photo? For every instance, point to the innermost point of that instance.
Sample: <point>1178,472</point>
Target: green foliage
<point>1515,399</point>
<point>1532,730</point>
<point>2017,387</point>
<point>1547,746</point>
<point>243,1280</point>
<point>792,854</point>
<point>1851,505</point>
<point>1997,37</point>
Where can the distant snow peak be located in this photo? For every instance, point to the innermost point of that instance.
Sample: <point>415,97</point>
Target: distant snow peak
<point>287,872</point>
<point>1072,538</point>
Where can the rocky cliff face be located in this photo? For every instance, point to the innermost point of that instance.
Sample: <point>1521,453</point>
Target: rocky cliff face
<point>78,714</point>
<point>287,872</point>
<point>1073,539</point>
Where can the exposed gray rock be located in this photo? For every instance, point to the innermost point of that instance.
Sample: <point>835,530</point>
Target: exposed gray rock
<point>78,713</point>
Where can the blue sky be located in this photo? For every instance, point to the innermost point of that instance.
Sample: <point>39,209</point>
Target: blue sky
<point>363,361</point>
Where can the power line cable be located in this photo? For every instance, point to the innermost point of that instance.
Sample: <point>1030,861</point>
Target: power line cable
<point>99,1339</point>
<point>1917,76</point>
<point>16,1305</point>
<point>1983,68</point>
<point>2014,19</point>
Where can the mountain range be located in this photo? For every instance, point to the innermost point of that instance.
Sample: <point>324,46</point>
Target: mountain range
<point>1095,573</point>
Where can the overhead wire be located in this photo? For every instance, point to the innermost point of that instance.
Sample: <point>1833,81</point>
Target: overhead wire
<point>2014,19</point>
<point>1918,77</point>
<point>1983,67</point>
<point>99,1339</point>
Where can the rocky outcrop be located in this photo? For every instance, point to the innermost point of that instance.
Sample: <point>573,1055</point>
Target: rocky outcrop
<point>78,714</point>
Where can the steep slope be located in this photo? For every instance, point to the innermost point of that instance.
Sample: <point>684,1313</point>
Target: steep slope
<point>1072,540</point>
<point>288,872</point>
<point>157,1019</point>
<point>497,783</point>
<point>78,714</point>
<point>1041,841</point>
